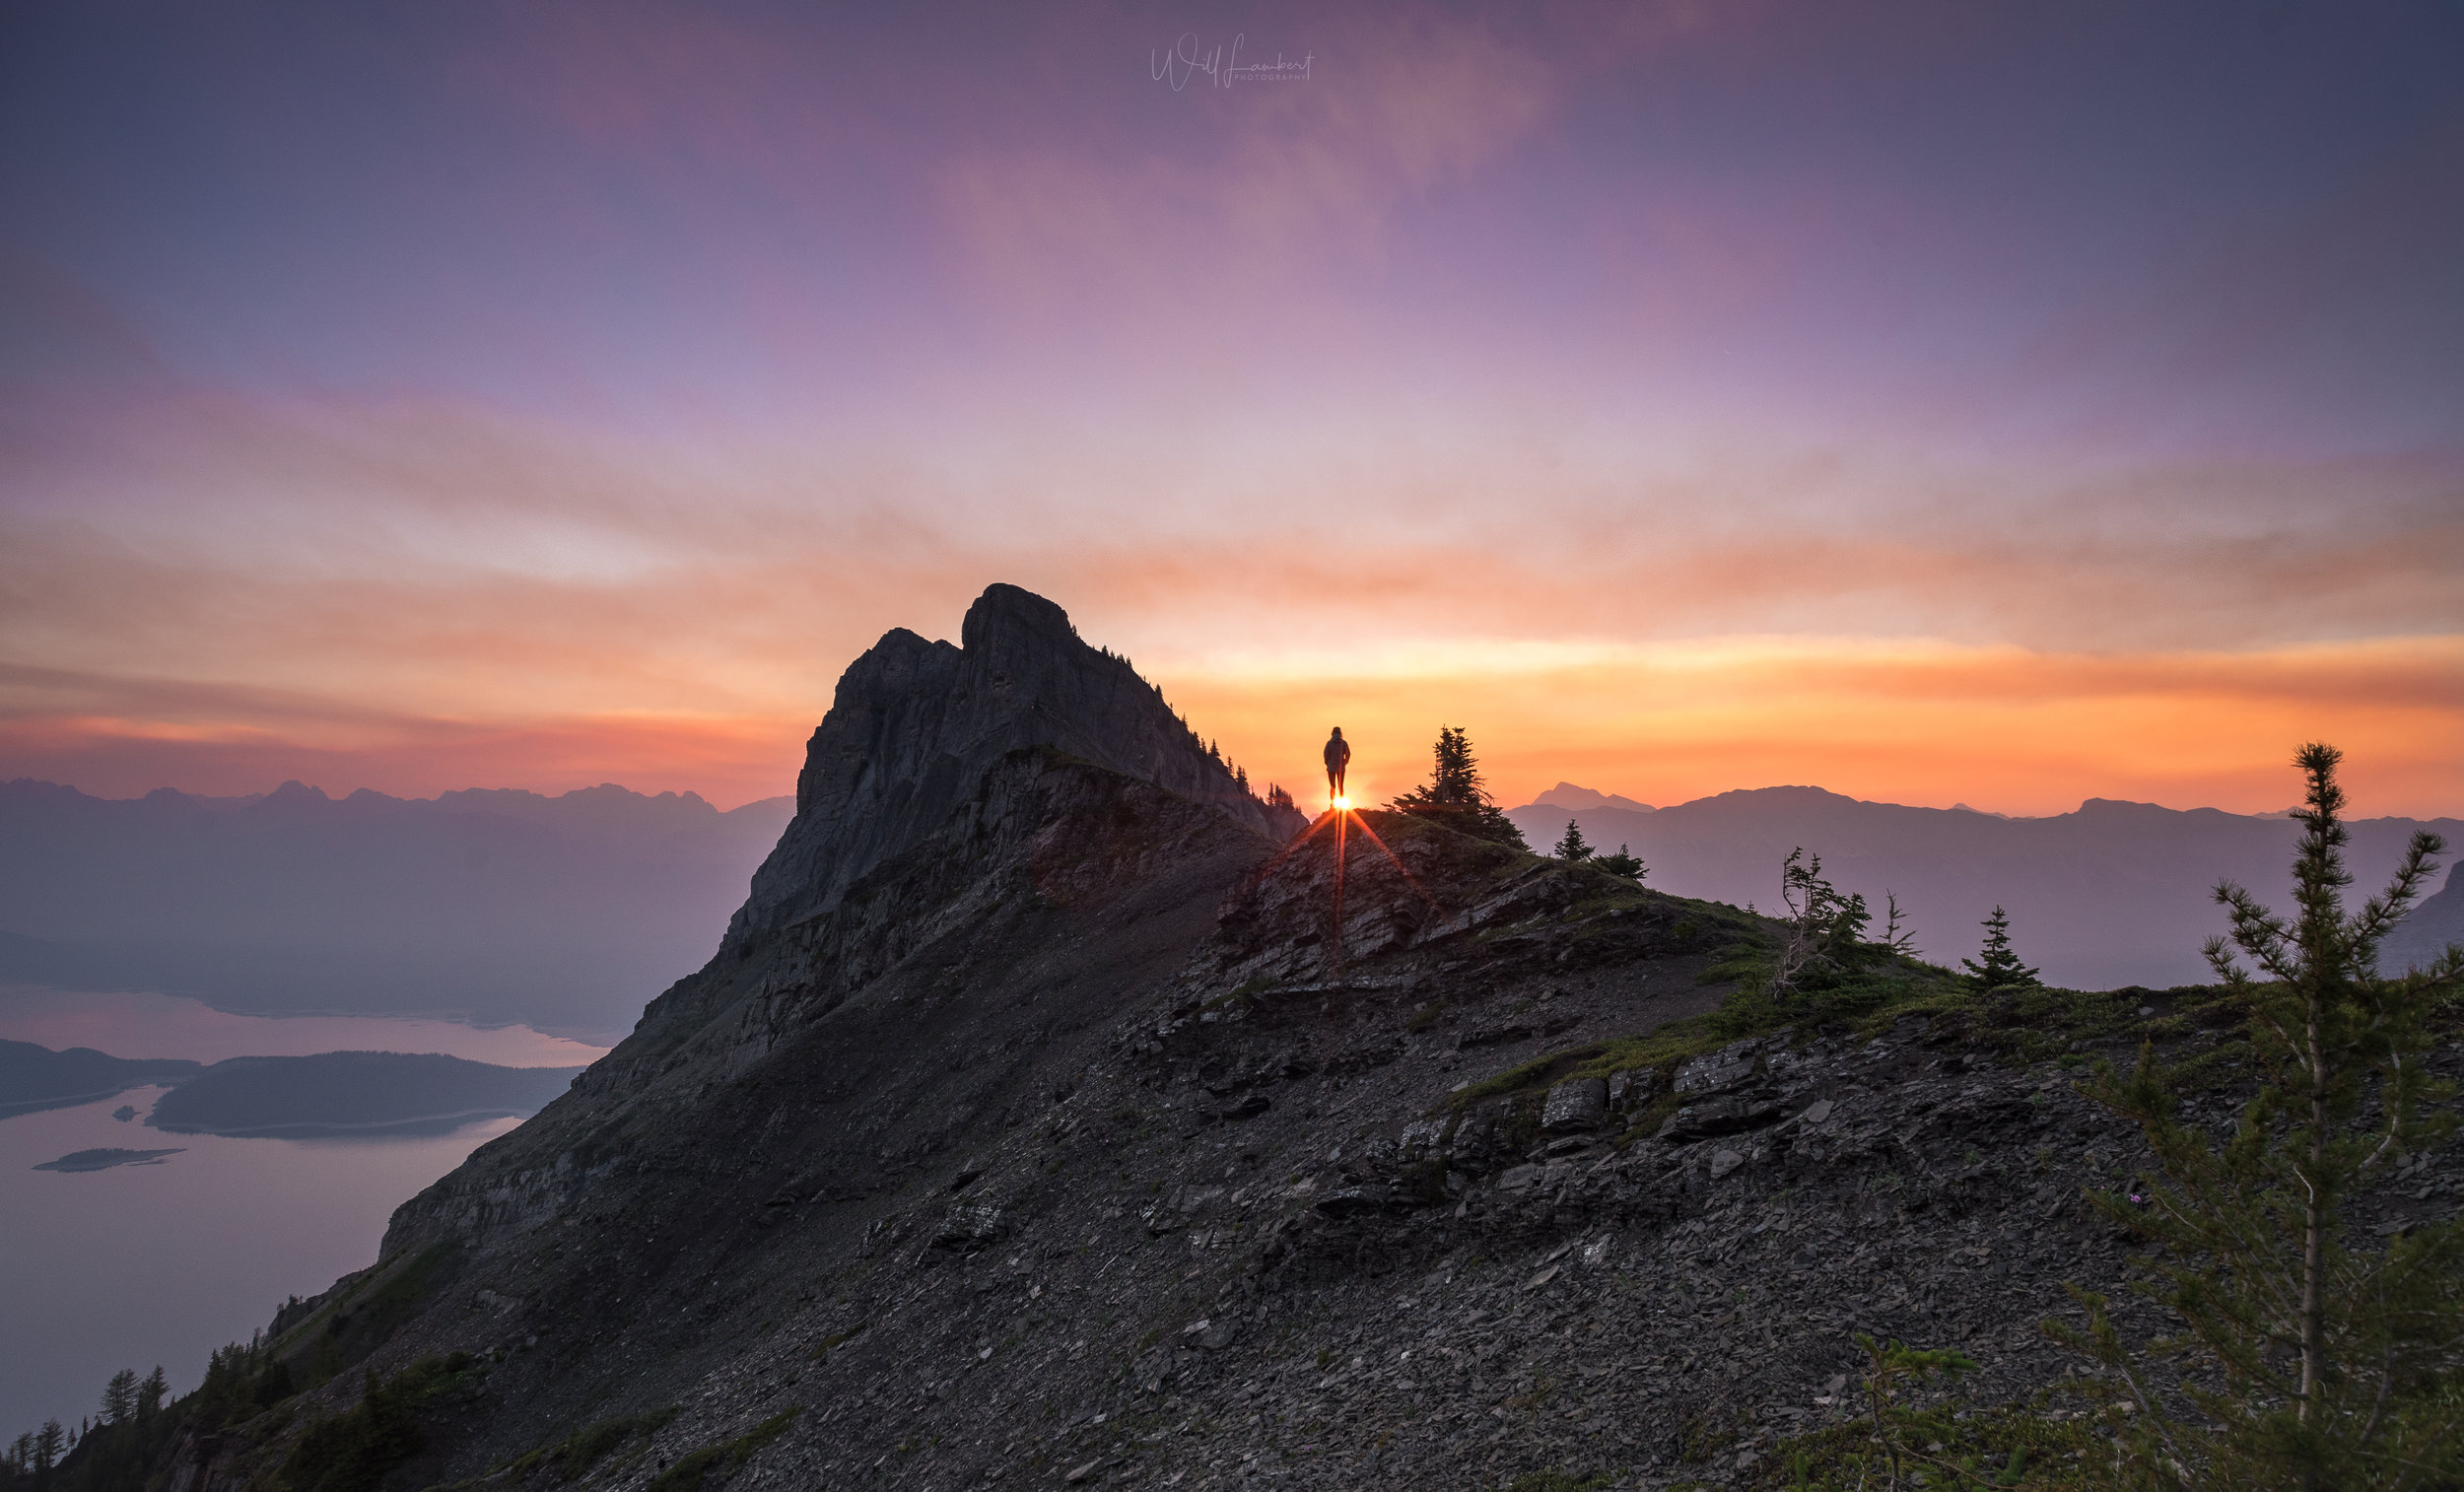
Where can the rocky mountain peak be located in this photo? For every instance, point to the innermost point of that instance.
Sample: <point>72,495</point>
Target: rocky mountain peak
<point>916,724</point>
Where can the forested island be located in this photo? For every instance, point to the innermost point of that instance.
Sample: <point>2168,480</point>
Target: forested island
<point>352,1093</point>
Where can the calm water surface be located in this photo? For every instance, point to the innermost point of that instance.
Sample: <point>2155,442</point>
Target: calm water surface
<point>162,1263</point>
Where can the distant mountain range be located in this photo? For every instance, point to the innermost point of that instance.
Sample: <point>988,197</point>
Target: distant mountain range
<point>2108,895</point>
<point>569,912</point>
<point>563,913</point>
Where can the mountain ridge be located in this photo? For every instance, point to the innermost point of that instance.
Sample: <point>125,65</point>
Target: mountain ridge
<point>913,724</point>
<point>2112,893</point>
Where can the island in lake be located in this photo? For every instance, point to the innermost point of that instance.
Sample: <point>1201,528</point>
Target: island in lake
<point>338,1093</point>
<point>332,1093</point>
<point>105,1160</point>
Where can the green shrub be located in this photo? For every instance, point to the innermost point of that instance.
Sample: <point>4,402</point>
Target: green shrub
<point>576,1453</point>
<point>352,1452</point>
<point>689,1471</point>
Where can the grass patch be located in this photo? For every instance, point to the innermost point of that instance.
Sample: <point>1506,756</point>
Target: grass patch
<point>352,1326</point>
<point>830,1344</point>
<point>691,1470</point>
<point>2008,1446</point>
<point>576,1453</point>
<point>1868,998</point>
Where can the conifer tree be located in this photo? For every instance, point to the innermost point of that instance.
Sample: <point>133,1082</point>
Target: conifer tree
<point>120,1397</point>
<point>2316,1364</point>
<point>1896,935</point>
<point>2001,967</point>
<point>1456,797</point>
<point>1625,863</point>
<point>1822,924</point>
<point>150,1393</point>
<point>49,1441</point>
<point>1571,846</point>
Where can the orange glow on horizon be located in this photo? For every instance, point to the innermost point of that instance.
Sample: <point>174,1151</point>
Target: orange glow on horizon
<point>1998,728</point>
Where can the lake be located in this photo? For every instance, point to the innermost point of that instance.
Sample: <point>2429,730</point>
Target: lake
<point>162,1263</point>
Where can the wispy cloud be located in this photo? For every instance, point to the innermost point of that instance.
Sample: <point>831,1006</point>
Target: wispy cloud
<point>344,585</point>
<point>1741,385</point>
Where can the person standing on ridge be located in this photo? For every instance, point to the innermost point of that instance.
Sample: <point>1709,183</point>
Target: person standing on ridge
<point>1339,755</point>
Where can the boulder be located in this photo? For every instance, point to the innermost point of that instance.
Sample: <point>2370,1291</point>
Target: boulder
<point>1211,1335</point>
<point>1632,1088</point>
<point>1494,1036</point>
<point>969,1226</point>
<point>1518,1177</point>
<point>1732,1066</point>
<point>1578,1104</point>
<point>1717,1116</point>
<point>1351,1202</point>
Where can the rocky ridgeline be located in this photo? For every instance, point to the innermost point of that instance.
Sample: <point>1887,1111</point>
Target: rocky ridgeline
<point>916,726</point>
<point>1068,1143</point>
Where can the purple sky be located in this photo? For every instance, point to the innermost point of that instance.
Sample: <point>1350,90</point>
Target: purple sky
<point>438,394</point>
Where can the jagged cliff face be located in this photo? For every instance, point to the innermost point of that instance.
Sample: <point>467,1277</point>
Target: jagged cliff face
<point>916,724</point>
<point>1037,1126</point>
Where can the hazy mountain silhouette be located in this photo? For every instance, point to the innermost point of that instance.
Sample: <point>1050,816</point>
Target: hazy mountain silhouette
<point>35,1077</point>
<point>2438,921</point>
<point>566,912</point>
<point>2108,895</point>
<point>1567,796</point>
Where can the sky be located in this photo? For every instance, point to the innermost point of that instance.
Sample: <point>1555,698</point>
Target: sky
<point>1944,403</point>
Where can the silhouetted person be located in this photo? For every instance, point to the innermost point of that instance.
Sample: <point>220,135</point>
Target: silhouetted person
<point>1339,755</point>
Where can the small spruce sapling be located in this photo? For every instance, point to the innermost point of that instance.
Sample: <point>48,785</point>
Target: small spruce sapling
<point>1625,863</point>
<point>1896,935</point>
<point>2313,1363</point>
<point>1571,846</point>
<point>2001,966</point>
<point>1893,1369</point>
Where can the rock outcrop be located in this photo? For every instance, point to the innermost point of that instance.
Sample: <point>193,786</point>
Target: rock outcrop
<point>916,726</point>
